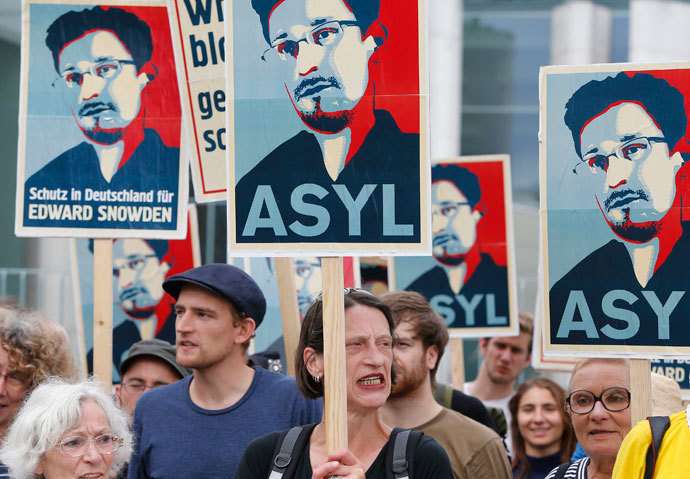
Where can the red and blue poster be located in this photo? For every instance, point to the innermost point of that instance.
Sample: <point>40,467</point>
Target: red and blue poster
<point>308,283</point>
<point>141,309</point>
<point>470,277</point>
<point>100,151</point>
<point>614,188</point>
<point>328,131</point>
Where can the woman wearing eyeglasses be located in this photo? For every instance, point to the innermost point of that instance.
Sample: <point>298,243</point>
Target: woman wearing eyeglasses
<point>67,431</point>
<point>599,405</point>
<point>369,358</point>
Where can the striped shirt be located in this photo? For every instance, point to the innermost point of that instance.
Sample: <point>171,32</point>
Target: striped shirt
<point>577,470</point>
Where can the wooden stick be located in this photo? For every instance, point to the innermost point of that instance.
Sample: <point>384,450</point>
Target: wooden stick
<point>103,312</point>
<point>640,389</point>
<point>335,385</point>
<point>289,309</point>
<point>457,363</point>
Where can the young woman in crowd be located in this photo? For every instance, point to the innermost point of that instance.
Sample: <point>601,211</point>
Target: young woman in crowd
<point>543,435</point>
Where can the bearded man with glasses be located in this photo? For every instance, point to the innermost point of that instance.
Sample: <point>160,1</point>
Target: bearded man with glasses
<point>463,271</point>
<point>103,61</point>
<point>628,133</point>
<point>362,169</point>
<point>139,268</point>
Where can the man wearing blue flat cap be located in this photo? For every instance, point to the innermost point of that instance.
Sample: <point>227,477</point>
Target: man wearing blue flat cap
<point>200,426</point>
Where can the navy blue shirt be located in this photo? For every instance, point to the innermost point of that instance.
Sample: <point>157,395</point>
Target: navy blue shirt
<point>176,439</point>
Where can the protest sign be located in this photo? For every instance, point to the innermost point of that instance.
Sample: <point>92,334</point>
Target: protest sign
<point>307,279</point>
<point>314,167</point>
<point>613,181</point>
<point>470,278</point>
<point>198,34</point>
<point>140,308</point>
<point>676,369</point>
<point>100,151</point>
<point>374,274</point>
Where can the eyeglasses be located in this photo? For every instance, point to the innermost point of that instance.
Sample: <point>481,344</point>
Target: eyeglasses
<point>105,69</point>
<point>76,446</point>
<point>636,149</point>
<point>136,388</point>
<point>324,35</point>
<point>134,263</point>
<point>449,209</point>
<point>613,399</point>
<point>347,291</point>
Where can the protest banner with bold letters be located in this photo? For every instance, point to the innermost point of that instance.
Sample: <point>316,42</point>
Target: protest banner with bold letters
<point>332,157</point>
<point>470,277</point>
<point>100,150</point>
<point>141,309</point>
<point>198,34</point>
<point>614,176</point>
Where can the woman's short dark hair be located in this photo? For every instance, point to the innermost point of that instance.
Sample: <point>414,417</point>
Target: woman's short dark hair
<point>311,336</point>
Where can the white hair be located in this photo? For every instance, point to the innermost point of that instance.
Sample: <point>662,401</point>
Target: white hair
<point>52,409</point>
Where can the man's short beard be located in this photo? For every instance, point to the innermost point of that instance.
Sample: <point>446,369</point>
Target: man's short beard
<point>409,381</point>
<point>326,122</point>
<point>93,110</point>
<point>642,232</point>
<point>198,363</point>
<point>140,313</point>
<point>499,380</point>
<point>104,137</point>
<point>450,260</point>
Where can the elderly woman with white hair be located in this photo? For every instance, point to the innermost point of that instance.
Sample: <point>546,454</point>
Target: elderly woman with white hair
<point>67,430</point>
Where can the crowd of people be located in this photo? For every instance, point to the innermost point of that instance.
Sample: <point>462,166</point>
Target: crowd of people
<point>198,409</point>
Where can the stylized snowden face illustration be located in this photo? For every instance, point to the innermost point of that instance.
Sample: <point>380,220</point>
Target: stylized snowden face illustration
<point>140,276</point>
<point>105,87</point>
<point>454,223</point>
<point>308,282</point>
<point>628,157</point>
<point>323,59</point>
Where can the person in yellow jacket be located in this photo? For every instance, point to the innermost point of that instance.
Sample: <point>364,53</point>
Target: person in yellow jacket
<point>672,460</point>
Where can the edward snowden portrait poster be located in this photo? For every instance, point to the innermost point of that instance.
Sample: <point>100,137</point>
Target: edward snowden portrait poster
<point>469,279</point>
<point>614,188</point>
<point>328,132</point>
<point>141,309</point>
<point>100,151</point>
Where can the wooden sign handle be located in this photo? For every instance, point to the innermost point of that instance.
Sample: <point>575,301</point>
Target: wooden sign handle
<point>640,389</point>
<point>457,363</point>
<point>103,312</point>
<point>289,309</point>
<point>335,386</point>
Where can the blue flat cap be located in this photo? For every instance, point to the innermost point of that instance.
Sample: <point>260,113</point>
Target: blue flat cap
<point>226,280</point>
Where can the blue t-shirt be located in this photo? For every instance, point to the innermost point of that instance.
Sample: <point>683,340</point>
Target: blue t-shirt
<point>176,439</point>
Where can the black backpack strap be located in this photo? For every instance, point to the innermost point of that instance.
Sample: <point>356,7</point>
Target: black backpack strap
<point>287,452</point>
<point>400,457</point>
<point>658,425</point>
<point>562,469</point>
